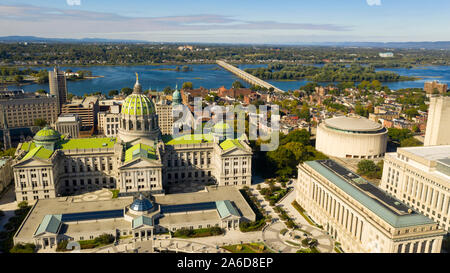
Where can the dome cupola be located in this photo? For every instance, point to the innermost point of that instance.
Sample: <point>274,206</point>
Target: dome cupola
<point>47,137</point>
<point>141,204</point>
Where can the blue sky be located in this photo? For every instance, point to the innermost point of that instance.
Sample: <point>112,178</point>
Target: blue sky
<point>230,21</point>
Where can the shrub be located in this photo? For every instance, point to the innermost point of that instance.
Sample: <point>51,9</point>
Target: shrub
<point>104,239</point>
<point>23,205</point>
<point>23,248</point>
<point>62,245</point>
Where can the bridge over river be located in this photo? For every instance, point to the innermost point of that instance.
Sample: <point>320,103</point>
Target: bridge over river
<point>247,77</point>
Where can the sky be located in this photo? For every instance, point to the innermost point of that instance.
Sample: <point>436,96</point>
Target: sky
<point>230,21</point>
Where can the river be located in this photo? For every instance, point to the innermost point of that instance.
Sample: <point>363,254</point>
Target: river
<point>208,76</point>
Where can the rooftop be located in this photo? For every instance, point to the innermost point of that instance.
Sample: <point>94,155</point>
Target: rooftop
<point>357,124</point>
<point>230,143</point>
<point>39,152</point>
<point>187,139</point>
<point>140,150</point>
<point>379,202</point>
<point>431,153</point>
<point>87,143</point>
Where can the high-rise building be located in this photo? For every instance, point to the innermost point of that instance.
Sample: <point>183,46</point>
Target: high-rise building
<point>165,117</point>
<point>86,109</point>
<point>437,132</point>
<point>58,86</point>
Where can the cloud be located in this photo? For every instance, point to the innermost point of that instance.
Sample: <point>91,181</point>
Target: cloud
<point>374,2</point>
<point>74,23</point>
<point>73,2</point>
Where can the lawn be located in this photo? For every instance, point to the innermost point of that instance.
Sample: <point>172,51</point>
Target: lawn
<point>247,248</point>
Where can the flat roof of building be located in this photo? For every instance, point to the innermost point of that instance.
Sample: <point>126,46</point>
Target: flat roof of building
<point>353,124</point>
<point>388,208</point>
<point>65,205</point>
<point>431,153</point>
<point>211,195</point>
<point>82,216</point>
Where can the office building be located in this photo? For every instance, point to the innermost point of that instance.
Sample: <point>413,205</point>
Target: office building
<point>359,215</point>
<point>86,109</point>
<point>420,177</point>
<point>69,125</point>
<point>435,87</point>
<point>19,109</point>
<point>58,86</point>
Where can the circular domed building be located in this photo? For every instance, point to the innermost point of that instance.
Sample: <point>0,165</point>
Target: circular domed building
<point>138,119</point>
<point>351,137</point>
<point>47,138</point>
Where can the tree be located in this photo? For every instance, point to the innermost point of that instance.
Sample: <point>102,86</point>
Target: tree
<point>23,248</point>
<point>411,112</point>
<point>305,113</point>
<point>301,136</point>
<point>168,90</point>
<point>126,91</point>
<point>187,85</point>
<point>399,134</point>
<point>113,93</point>
<point>41,91</point>
<point>40,122</point>
<point>370,169</point>
<point>70,96</point>
<point>237,84</point>
<point>410,142</point>
<point>18,78</point>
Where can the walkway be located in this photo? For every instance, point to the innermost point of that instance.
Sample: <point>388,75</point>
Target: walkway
<point>326,243</point>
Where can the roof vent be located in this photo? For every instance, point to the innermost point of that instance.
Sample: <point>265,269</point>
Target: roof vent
<point>104,144</point>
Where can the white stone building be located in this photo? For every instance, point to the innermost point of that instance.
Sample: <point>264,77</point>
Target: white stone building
<point>351,137</point>
<point>420,177</point>
<point>137,160</point>
<point>359,215</point>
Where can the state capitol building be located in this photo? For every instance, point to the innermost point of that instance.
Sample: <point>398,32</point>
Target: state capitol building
<point>139,159</point>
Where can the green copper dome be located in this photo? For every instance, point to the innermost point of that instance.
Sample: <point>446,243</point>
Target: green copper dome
<point>47,134</point>
<point>138,104</point>
<point>176,97</point>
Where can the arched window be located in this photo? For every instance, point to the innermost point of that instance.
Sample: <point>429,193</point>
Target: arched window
<point>138,125</point>
<point>130,125</point>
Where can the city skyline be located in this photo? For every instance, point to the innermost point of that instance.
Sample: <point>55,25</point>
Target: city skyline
<point>230,22</point>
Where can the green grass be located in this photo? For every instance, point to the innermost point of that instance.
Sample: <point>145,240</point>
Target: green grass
<point>187,139</point>
<point>247,248</point>
<point>115,193</point>
<point>87,143</point>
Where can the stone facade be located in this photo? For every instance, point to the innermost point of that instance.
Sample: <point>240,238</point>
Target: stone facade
<point>358,227</point>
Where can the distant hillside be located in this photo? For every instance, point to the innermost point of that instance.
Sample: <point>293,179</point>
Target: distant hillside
<point>33,39</point>
<point>411,45</point>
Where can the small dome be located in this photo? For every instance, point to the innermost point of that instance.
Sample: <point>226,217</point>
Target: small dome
<point>47,134</point>
<point>176,97</point>
<point>141,204</point>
